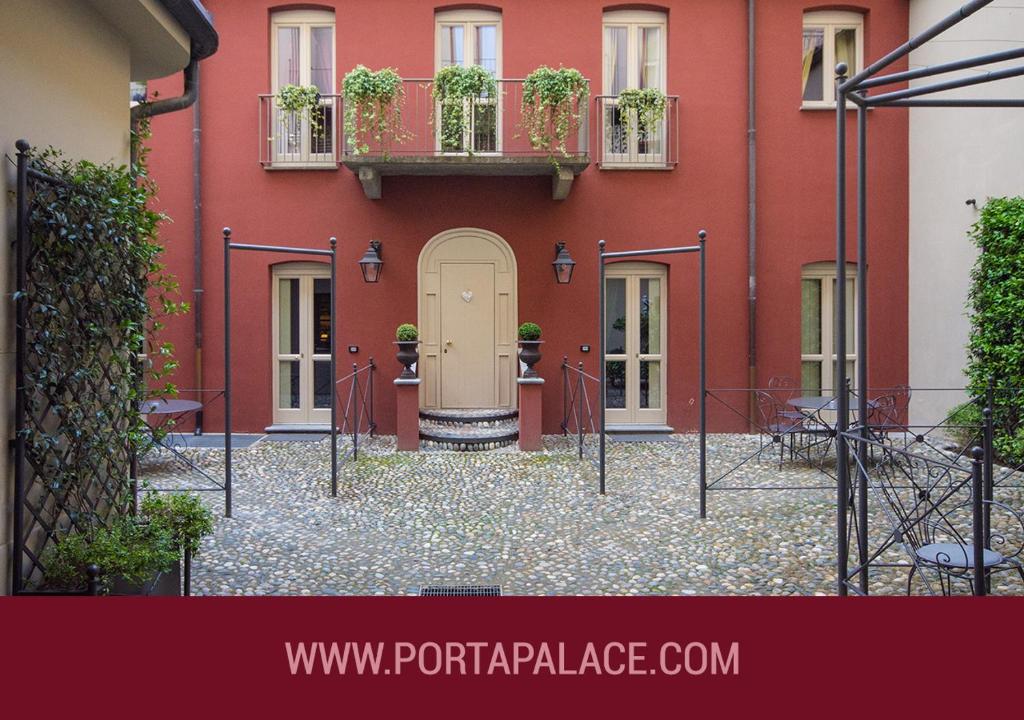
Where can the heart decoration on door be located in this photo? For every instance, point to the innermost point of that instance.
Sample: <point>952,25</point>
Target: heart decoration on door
<point>467,295</point>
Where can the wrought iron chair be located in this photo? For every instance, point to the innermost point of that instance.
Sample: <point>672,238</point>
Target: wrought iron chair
<point>883,418</point>
<point>930,507</point>
<point>774,424</point>
<point>784,388</point>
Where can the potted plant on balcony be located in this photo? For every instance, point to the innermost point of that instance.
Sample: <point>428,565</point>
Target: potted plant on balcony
<point>552,107</point>
<point>640,109</point>
<point>407,338</point>
<point>373,108</point>
<point>302,101</point>
<point>457,89</point>
<point>529,347</point>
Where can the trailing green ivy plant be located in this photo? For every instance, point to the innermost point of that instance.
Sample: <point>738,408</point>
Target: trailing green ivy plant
<point>552,106</point>
<point>640,110</point>
<point>303,101</point>
<point>995,306</point>
<point>373,108</point>
<point>457,89</point>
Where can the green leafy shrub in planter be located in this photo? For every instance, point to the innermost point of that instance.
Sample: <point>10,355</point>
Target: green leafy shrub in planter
<point>646,105</point>
<point>125,549</point>
<point>529,331</point>
<point>963,424</point>
<point>303,101</point>
<point>373,107</point>
<point>184,516</point>
<point>407,332</point>
<point>551,106</point>
<point>996,306</point>
<point>456,88</point>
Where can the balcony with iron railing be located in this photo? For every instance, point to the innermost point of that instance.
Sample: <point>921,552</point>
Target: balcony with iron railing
<point>493,142</point>
<point>626,144</point>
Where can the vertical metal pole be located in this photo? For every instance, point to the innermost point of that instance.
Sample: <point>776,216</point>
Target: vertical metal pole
<point>600,359</point>
<point>188,573</point>
<point>356,414</point>
<point>702,236</point>
<point>21,318</point>
<point>334,363</point>
<point>988,442</point>
<point>227,372</point>
<point>978,521</point>
<point>862,345</point>
<point>579,411</point>
<point>842,400</point>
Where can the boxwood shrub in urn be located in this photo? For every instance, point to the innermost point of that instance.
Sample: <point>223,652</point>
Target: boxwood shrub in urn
<point>407,338</point>
<point>529,347</point>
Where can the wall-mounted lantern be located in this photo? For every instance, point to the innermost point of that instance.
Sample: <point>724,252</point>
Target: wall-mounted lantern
<point>371,262</point>
<point>563,264</point>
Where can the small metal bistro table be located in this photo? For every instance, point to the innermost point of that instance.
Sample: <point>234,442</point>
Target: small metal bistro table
<point>171,411</point>
<point>823,413</point>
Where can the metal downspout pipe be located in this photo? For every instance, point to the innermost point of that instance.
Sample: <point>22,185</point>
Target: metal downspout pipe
<point>751,210</point>
<point>197,249</point>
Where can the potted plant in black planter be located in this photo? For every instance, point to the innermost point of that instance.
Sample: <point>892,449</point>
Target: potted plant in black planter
<point>136,555</point>
<point>529,347</point>
<point>407,338</point>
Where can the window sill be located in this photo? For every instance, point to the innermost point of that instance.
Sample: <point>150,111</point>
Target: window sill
<point>619,166</point>
<point>332,165</point>
<point>828,107</point>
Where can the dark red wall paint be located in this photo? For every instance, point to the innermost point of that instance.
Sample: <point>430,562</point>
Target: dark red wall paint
<point>706,68</point>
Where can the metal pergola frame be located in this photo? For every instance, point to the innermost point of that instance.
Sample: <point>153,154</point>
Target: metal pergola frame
<point>603,258</point>
<point>332,254</point>
<point>855,89</point>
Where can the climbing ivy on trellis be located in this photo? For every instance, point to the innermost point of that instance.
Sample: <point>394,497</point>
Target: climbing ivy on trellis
<point>458,90</point>
<point>373,108</point>
<point>552,106</point>
<point>996,307</point>
<point>95,292</point>
<point>640,110</point>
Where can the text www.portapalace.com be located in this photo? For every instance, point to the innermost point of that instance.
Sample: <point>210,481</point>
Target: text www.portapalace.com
<point>512,658</point>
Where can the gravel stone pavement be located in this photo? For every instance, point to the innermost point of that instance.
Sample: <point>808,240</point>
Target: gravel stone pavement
<point>532,523</point>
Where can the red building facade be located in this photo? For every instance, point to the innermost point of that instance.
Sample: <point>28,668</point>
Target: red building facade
<point>467,239</point>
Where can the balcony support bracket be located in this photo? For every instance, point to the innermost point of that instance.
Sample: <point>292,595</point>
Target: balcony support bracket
<point>561,183</point>
<point>369,177</point>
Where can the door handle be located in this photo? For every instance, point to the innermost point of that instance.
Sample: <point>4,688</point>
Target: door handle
<point>449,343</point>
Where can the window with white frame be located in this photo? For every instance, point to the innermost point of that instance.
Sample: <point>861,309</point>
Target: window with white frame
<point>830,37</point>
<point>302,53</point>
<point>473,37</point>
<point>817,327</point>
<point>634,51</point>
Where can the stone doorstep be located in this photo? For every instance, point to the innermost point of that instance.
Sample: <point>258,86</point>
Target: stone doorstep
<point>469,430</point>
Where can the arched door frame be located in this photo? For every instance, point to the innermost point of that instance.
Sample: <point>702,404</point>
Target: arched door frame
<point>470,245</point>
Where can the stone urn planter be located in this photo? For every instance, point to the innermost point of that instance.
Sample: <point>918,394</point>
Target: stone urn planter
<point>529,353</point>
<point>408,355</point>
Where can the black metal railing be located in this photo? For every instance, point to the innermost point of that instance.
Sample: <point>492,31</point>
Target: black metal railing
<point>626,143</point>
<point>289,139</point>
<point>493,126</point>
<point>357,409</point>
<point>577,414</point>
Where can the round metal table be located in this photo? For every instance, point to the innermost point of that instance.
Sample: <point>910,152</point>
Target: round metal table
<point>163,406</point>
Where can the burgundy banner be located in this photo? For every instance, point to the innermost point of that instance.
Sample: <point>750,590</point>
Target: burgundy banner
<point>462,657</point>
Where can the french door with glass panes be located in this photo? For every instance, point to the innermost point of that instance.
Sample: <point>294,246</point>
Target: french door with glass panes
<point>818,360</point>
<point>471,37</point>
<point>302,46</point>
<point>635,343</point>
<point>634,59</point>
<point>302,344</point>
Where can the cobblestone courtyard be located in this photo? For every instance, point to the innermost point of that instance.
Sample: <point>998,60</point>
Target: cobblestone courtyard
<point>532,523</point>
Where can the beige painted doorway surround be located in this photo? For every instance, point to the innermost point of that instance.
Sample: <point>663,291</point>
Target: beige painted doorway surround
<point>467,320</point>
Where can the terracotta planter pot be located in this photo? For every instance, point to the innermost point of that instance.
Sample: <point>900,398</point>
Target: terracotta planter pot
<point>408,355</point>
<point>529,353</point>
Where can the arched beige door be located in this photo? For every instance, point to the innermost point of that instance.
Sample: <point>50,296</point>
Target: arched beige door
<point>467,320</point>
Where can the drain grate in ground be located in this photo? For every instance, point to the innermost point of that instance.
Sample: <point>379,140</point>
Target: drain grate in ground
<point>461,590</point>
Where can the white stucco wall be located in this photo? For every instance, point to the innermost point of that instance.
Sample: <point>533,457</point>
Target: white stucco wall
<point>65,67</point>
<point>955,154</point>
